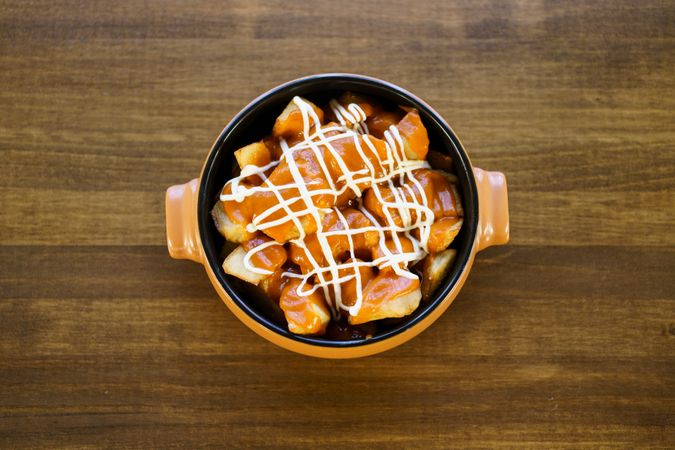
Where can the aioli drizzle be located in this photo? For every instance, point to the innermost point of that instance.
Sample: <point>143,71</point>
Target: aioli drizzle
<point>351,125</point>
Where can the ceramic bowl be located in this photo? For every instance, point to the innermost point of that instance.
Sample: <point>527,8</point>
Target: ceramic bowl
<point>192,235</point>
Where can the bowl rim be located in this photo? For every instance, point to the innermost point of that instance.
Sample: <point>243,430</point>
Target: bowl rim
<point>211,257</point>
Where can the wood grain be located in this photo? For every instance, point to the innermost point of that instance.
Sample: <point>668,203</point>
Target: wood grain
<point>564,338</point>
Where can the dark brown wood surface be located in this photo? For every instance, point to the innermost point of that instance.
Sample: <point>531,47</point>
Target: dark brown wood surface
<point>564,338</point>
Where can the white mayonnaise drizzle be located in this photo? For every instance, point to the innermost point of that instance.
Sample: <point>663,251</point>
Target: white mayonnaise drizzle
<point>406,202</point>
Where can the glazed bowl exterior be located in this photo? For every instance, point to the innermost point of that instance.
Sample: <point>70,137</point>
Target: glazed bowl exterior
<point>192,235</point>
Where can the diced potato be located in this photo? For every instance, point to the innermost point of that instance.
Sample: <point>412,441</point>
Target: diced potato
<point>399,306</point>
<point>452,181</point>
<point>442,233</point>
<point>414,135</point>
<point>289,123</point>
<point>256,154</point>
<point>234,265</point>
<point>378,302</point>
<point>305,314</point>
<point>233,232</point>
<point>434,268</point>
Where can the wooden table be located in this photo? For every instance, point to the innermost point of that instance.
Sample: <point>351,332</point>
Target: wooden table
<point>565,337</point>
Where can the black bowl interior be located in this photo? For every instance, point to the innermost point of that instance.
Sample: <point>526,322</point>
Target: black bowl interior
<point>255,121</point>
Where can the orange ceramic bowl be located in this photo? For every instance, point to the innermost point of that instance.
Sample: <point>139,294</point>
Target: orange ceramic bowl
<point>192,235</point>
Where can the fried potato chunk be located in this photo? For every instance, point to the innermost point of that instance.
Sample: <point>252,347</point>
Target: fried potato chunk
<point>442,233</point>
<point>289,124</point>
<point>256,154</point>
<point>434,268</point>
<point>388,295</point>
<point>233,232</point>
<point>414,134</point>
<point>305,314</point>
<point>234,265</point>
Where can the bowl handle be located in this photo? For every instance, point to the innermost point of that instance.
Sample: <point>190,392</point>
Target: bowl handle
<point>182,233</point>
<point>493,203</point>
